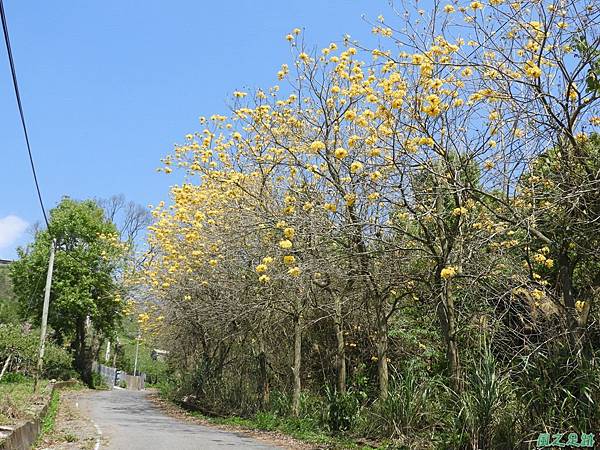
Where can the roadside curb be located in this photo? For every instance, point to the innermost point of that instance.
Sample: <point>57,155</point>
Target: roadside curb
<point>23,436</point>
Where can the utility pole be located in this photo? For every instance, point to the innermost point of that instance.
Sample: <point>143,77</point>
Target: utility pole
<point>40,362</point>
<point>114,364</point>
<point>107,354</point>
<point>137,350</point>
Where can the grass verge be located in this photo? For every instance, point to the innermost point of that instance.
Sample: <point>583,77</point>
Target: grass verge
<point>300,429</point>
<point>301,433</point>
<point>48,423</point>
<point>18,402</point>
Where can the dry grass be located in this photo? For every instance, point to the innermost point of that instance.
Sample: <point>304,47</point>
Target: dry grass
<point>18,402</point>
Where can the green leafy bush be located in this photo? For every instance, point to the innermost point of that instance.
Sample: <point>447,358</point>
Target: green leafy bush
<point>406,407</point>
<point>23,349</point>
<point>98,382</point>
<point>343,409</point>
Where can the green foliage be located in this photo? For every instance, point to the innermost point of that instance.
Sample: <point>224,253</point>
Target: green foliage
<point>98,382</point>
<point>23,349</point>
<point>84,284</point>
<point>343,409</point>
<point>590,54</point>
<point>268,421</point>
<point>280,404</point>
<point>49,420</point>
<point>17,400</point>
<point>483,406</point>
<point>70,437</point>
<point>14,377</point>
<point>406,409</point>
<point>8,306</point>
<point>155,370</point>
<point>86,261</point>
<point>561,391</point>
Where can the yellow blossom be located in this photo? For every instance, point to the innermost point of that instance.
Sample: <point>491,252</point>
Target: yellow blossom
<point>537,294</point>
<point>295,271</point>
<point>459,211</point>
<point>355,167</point>
<point>289,260</point>
<point>350,114</point>
<point>350,199</point>
<point>289,233</point>
<point>261,268</point>
<point>330,207</point>
<point>532,70</point>
<point>340,153</point>
<point>448,272</point>
<point>317,146</point>
<point>264,278</point>
<point>286,244</point>
<point>375,175</point>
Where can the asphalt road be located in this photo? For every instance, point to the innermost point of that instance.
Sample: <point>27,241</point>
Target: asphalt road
<point>128,420</point>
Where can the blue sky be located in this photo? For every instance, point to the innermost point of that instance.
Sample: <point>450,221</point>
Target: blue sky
<point>108,87</point>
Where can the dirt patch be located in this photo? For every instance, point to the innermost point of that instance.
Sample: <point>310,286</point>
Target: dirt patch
<point>72,430</point>
<point>271,437</point>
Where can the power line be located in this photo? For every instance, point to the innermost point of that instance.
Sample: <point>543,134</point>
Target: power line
<point>18,96</point>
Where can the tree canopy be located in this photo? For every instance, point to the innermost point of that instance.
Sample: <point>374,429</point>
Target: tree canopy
<point>84,287</point>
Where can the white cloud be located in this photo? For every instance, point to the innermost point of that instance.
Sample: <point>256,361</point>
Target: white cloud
<point>11,229</point>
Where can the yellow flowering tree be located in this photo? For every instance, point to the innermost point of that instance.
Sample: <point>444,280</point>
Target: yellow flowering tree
<point>372,179</point>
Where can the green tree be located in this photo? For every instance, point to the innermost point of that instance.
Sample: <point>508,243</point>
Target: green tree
<point>8,306</point>
<point>85,305</point>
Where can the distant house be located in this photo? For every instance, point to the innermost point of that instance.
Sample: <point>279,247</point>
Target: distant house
<point>5,262</point>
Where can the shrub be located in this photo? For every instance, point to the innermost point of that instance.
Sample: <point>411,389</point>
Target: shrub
<point>98,381</point>
<point>23,349</point>
<point>342,409</point>
<point>406,407</point>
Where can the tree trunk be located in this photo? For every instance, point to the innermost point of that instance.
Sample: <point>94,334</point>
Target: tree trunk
<point>447,317</point>
<point>340,356</point>
<point>297,362</point>
<point>263,375</point>
<point>83,363</point>
<point>382,352</point>
<point>575,328</point>
<point>107,353</point>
